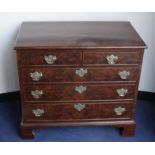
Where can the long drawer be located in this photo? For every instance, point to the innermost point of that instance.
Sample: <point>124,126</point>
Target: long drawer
<point>77,111</point>
<point>78,92</point>
<point>89,74</point>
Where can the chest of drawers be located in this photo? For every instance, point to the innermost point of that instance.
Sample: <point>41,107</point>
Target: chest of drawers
<point>78,73</point>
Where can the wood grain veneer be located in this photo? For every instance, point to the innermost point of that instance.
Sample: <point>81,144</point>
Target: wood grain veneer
<point>76,46</point>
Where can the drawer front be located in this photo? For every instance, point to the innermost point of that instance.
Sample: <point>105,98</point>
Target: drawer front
<point>46,74</point>
<point>111,58</point>
<point>50,58</point>
<point>78,92</point>
<point>77,111</point>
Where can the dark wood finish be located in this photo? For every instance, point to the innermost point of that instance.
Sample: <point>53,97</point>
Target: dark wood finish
<point>27,132</point>
<point>34,35</point>
<point>15,96</point>
<point>27,128</point>
<point>67,112</point>
<point>66,92</point>
<point>37,57</point>
<point>57,75</point>
<point>127,129</point>
<point>78,45</point>
<point>99,58</point>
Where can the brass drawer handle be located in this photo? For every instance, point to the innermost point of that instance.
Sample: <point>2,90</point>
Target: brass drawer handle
<point>124,74</point>
<point>81,72</point>
<point>36,76</point>
<point>50,59</point>
<point>38,112</point>
<point>36,93</point>
<point>119,110</point>
<point>122,91</point>
<point>80,89</point>
<point>112,59</point>
<point>79,106</point>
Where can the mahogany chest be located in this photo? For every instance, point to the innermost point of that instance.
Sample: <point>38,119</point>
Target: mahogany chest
<point>78,73</point>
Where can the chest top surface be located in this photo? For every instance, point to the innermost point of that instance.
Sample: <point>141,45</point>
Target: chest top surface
<point>47,35</point>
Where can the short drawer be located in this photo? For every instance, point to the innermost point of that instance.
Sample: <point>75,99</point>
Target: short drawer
<point>77,111</point>
<point>78,92</point>
<point>89,74</point>
<point>53,58</point>
<point>111,58</point>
